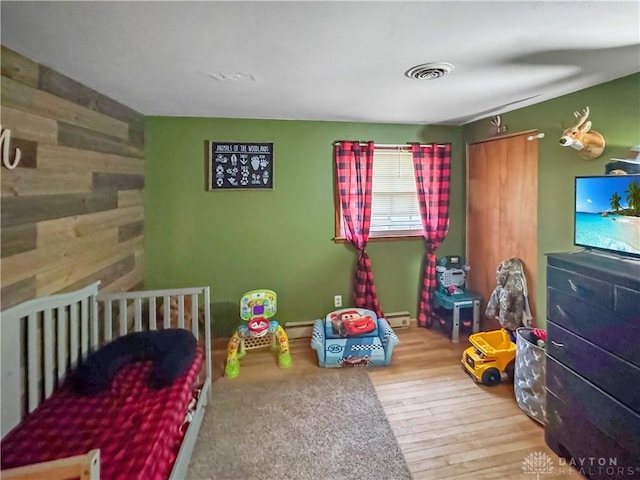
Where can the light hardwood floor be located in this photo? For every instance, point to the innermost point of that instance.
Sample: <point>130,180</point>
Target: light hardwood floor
<point>447,425</point>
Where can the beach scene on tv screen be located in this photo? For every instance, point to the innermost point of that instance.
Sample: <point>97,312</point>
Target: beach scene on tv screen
<point>608,213</point>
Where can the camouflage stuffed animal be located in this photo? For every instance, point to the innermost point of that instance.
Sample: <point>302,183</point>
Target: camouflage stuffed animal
<point>508,302</point>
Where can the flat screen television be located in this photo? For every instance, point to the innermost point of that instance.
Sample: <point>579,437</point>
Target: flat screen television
<point>607,213</point>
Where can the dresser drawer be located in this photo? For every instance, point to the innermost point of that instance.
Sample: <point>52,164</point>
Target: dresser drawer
<point>609,331</point>
<point>587,289</point>
<point>574,437</point>
<point>627,303</point>
<point>618,378</point>
<point>585,400</point>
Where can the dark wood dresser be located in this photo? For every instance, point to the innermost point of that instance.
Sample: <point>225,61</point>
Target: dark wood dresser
<point>593,363</point>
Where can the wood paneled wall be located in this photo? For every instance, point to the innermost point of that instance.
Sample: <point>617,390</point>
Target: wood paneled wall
<point>72,212</point>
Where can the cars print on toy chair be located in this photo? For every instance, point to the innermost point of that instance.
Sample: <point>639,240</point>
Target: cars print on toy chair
<point>353,337</point>
<point>350,323</point>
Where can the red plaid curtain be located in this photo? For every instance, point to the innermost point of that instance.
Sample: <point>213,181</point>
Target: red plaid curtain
<point>432,167</point>
<point>354,168</point>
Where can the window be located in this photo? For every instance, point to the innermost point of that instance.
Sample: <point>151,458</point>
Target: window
<point>394,200</point>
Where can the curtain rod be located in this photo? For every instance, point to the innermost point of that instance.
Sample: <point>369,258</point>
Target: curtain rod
<point>392,145</point>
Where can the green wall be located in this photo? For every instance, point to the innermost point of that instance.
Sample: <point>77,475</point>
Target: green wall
<point>282,239</point>
<point>236,241</point>
<point>615,113</point>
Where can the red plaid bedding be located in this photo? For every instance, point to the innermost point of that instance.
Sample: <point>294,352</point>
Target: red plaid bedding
<point>137,429</point>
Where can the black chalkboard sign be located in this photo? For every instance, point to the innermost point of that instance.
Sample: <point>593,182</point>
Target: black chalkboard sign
<point>240,166</point>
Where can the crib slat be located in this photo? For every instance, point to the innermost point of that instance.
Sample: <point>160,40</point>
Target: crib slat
<point>152,313</point>
<point>12,364</point>
<point>123,317</point>
<point>108,321</point>
<point>73,335</point>
<point>207,332</point>
<point>94,324</point>
<point>62,343</point>
<point>194,315</point>
<point>47,328</point>
<point>84,328</point>
<point>33,361</point>
<point>180,311</point>
<point>165,309</point>
<point>138,314</point>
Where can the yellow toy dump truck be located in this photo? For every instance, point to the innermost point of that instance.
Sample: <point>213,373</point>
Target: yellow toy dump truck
<point>491,357</point>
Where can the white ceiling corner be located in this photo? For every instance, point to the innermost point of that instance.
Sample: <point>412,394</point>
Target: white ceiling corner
<point>335,61</point>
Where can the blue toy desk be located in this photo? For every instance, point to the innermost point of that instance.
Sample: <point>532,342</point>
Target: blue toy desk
<point>456,301</point>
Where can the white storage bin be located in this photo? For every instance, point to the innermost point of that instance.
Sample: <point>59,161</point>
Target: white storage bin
<point>529,377</point>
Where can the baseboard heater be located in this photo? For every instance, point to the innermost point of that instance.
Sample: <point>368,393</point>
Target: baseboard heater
<point>305,328</point>
<point>398,319</point>
<point>299,329</point>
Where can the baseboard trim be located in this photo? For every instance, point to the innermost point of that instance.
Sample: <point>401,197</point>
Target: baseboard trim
<point>299,329</point>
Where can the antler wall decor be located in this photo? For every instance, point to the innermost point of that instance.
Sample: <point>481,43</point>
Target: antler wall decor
<point>580,137</point>
<point>496,126</point>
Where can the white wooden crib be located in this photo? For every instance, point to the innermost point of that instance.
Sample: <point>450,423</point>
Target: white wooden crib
<point>61,331</point>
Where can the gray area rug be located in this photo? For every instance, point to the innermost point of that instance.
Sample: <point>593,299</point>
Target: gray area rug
<point>329,426</point>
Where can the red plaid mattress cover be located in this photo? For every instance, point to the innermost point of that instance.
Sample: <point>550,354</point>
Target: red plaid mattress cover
<point>136,428</point>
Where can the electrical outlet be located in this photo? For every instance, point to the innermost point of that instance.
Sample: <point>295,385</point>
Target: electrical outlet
<point>337,301</point>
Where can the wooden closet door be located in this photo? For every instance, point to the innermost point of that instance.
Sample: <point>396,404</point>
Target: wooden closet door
<point>502,212</point>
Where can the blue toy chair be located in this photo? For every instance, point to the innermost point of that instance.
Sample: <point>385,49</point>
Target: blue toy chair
<point>353,337</point>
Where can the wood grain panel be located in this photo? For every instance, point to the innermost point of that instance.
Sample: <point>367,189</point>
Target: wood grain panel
<point>19,210</point>
<point>482,211</point>
<point>118,181</point>
<point>130,230</point>
<point>19,68</point>
<point>128,198</point>
<point>518,208</point>
<point>130,281</point>
<point>18,239</point>
<point>23,265</point>
<point>22,182</point>
<point>67,88</point>
<point>28,152</point>
<point>106,275</point>
<point>28,126</point>
<point>136,133</point>
<point>73,210</point>
<point>16,293</point>
<point>502,199</point>
<point>23,97</point>
<point>139,254</point>
<point>83,265</point>
<point>70,228</point>
<point>72,159</point>
<point>85,139</point>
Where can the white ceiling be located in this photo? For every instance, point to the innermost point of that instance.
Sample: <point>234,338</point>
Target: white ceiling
<point>340,61</point>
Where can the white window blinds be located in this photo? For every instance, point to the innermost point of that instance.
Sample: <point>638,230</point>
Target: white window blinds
<point>394,199</point>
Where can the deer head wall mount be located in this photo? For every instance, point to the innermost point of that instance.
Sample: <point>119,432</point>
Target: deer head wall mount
<point>588,143</point>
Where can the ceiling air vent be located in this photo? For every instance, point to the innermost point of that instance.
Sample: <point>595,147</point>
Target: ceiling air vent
<point>429,71</point>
